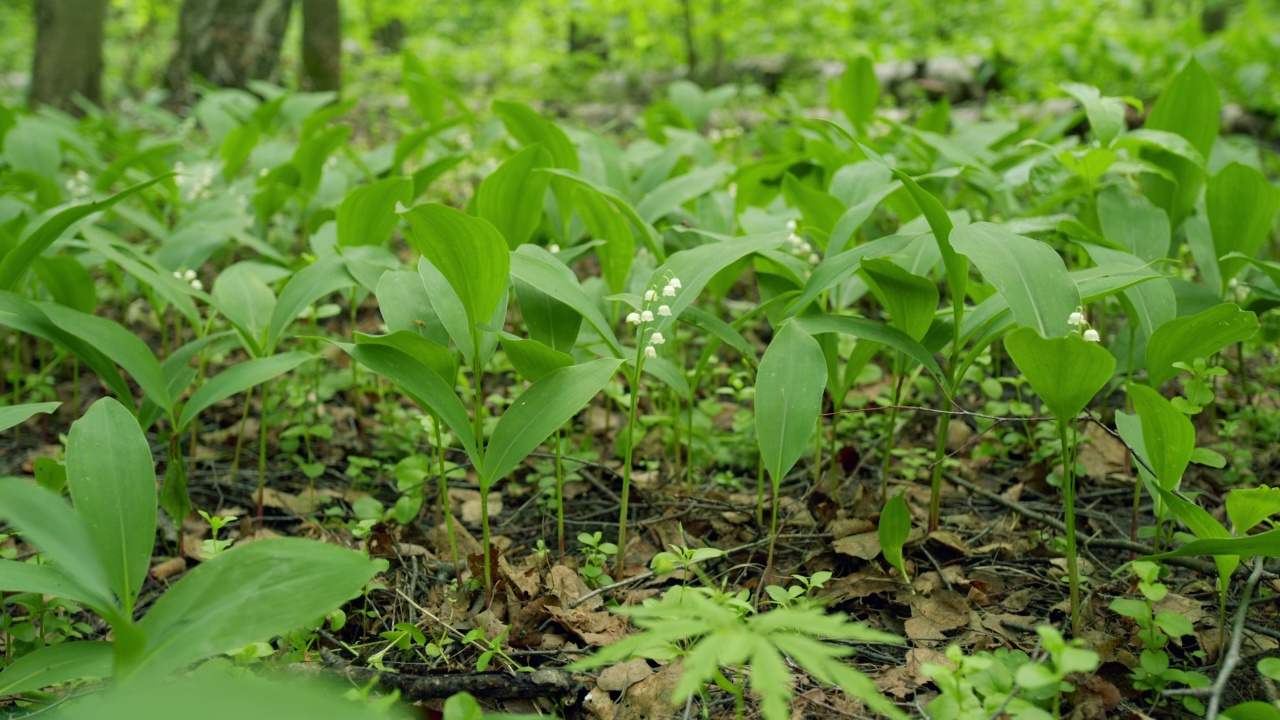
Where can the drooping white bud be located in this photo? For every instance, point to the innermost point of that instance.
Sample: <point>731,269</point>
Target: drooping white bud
<point>1091,335</point>
<point>657,339</point>
<point>633,318</point>
<point>646,316</point>
<point>664,311</point>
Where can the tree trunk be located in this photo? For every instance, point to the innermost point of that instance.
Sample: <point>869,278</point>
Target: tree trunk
<point>228,43</point>
<point>68,53</point>
<point>321,45</point>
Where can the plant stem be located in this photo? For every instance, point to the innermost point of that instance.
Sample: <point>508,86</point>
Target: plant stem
<point>559,496</point>
<point>244,420</point>
<point>444,498</point>
<point>620,560</point>
<point>940,454</point>
<point>1067,432</point>
<point>262,450</point>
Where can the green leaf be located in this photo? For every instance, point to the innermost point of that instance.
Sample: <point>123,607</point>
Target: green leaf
<point>367,215</point>
<point>405,305</point>
<point>542,408</point>
<point>68,282</point>
<point>1028,273</point>
<point>318,280</point>
<point>789,386</point>
<point>237,379</point>
<point>606,222</point>
<point>859,91</point>
<point>528,127</point>
<point>245,300</point>
<point>726,333</point>
<point>1241,204</point>
<point>895,526</point>
<point>1203,525</point>
<point>1255,710</point>
<point>511,197</point>
<point>534,360</point>
<point>11,415</point>
<point>541,270</point>
<point>43,580</point>
<point>664,199</point>
<point>117,343</point>
<point>1167,435</point>
<point>1197,336</point>
<point>417,380</point>
<point>426,94</point>
<point>1249,506</point>
<point>1106,115</point>
<point>696,266</point>
<point>468,251</point>
<point>249,593</point>
<point>1152,303</point>
<point>1130,220</point>
<point>875,331</point>
<point>15,263</point>
<point>56,664</point>
<point>1188,107</point>
<point>113,485</point>
<point>49,524</point>
<point>911,300</point>
<point>429,353</point>
<point>820,211</point>
<point>19,313</point>
<point>1265,544</point>
<point>1066,372</point>
<point>548,320</point>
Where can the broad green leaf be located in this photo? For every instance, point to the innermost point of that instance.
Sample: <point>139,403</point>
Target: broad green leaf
<point>32,145</point>
<point>532,359</point>
<point>1188,107</point>
<point>836,269</point>
<point>874,331</point>
<point>68,282</point>
<point>1066,372</point>
<point>22,315</point>
<point>56,664</point>
<point>417,380</point>
<point>433,355</point>
<point>820,211</point>
<point>605,222</point>
<point>117,343</point>
<point>310,155</point>
<point>11,415</point>
<point>16,262</point>
<point>664,199</point>
<point>541,270</point>
<point>316,281</point>
<point>1167,435</point>
<point>895,526</point>
<point>1253,710</point>
<point>50,525</point>
<point>1151,302</point>
<point>1241,204</point>
<point>237,379</point>
<point>113,485</point>
<point>1265,544</point>
<point>666,373</point>
<point>20,577</point>
<point>1106,115</point>
<point>511,197</point>
<point>528,127</point>
<point>1028,273</point>
<point>468,251</point>
<point>858,91</point>
<point>426,94</point>
<point>648,234</point>
<point>699,318</point>
<point>1197,336</point>
<point>1249,506</point>
<point>539,411</point>
<point>246,301</point>
<point>548,320</point>
<point>789,386</point>
<point>249,593</point>
<point>405,305</point>
<point>367,215</point>
<point>911,300</point>
<point>696,266</point>
<point>1200,522</point>
<point>1130,220</point>
<point>218,693</point>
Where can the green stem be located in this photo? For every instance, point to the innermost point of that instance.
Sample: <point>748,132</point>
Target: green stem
<point>760,488</point>
<point>620,560</point>
<point>887,462</point>
<point>444,498</point>
<point>244,420</point>
<point>262,450</point>
<point>559,495</point>
<point>1067,433</point>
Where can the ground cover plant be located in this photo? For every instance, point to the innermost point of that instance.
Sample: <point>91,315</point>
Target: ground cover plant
<point>863,405</point>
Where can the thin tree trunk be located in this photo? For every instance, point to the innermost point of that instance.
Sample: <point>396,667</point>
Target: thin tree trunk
<point>228,43</point>
<point>321,45</point>
<point>68,53</point>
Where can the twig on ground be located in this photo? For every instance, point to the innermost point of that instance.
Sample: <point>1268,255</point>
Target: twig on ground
<point>1232,657</point>
<point>545,682</point>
